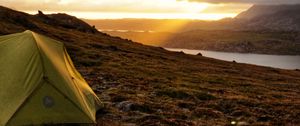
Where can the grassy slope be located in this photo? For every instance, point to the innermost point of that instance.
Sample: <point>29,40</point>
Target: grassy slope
<point>146,85</point>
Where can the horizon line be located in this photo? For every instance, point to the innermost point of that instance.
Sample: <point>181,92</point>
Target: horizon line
<point>127,15</point>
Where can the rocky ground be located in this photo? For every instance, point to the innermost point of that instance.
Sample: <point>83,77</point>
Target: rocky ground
<point>144,85</point>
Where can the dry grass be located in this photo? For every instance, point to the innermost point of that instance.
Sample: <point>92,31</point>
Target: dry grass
<point>144,85</point>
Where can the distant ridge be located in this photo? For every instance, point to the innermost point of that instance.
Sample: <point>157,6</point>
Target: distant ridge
<point>146,85</point>
<point>11,19</point>
<point>262,10</point>
<point>271,17</point>
<point>263,29</point>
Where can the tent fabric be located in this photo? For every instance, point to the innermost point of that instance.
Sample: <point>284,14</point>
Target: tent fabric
<point>39,83</point>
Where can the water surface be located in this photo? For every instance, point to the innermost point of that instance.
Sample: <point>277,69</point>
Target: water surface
<point>276,61</point>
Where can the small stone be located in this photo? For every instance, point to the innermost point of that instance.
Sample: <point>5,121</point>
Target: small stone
<point>242,123</point>
<point>124,105</point>
<point>199,54</point>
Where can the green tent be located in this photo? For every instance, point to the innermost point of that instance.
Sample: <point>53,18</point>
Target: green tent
<point>40,85</point>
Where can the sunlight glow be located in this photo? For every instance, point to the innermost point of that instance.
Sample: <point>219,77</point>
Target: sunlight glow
<point>158,39</point>
<point>194,7</point>
<point>64,2</point>
<point>117,9</point>
<point>110,15</point>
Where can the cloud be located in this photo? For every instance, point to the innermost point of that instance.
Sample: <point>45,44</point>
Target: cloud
<point>249,1</point>
<point>227,8</point>
<point>151,6</point>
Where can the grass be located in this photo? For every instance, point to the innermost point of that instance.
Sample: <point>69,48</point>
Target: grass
<point>169,88</point>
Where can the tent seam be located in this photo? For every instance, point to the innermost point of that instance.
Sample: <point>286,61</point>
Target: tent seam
<point>44,72</point>
<point>55,86</point>
<point>86,106</point>
<point>38,86</point>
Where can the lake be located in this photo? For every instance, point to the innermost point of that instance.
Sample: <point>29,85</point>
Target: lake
<point>276,61</point>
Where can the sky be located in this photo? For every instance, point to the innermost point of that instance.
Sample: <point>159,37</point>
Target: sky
<point>156,9</point>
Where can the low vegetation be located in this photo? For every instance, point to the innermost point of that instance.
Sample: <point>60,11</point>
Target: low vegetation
<point>263,42</point>
<point>144,85</point>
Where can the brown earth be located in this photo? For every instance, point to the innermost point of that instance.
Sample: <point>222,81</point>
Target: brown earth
<point>144,85</point>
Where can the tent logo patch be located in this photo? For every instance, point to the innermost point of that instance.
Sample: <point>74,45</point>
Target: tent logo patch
<point>48,101</point>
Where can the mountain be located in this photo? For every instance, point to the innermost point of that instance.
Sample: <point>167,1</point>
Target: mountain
<point>258,17</point>
<point>263,29</point>
<point>271,17</point>
<point>261,42</point>
<point>257,11</point>
<point>145,85</point>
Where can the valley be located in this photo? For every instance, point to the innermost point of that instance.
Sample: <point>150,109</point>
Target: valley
<point>146,85</point>
<point>256,30</point>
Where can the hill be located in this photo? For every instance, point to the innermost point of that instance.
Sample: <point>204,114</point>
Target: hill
<point>258,17</point>
<point>144,85</point>
<point>264,29</point>
<point>261,42</point>
<point>262,10</point>
<point>271,17</point>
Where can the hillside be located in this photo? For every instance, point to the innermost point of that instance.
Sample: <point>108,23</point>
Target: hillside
<point>284,43</point>
<point>261,42</point>
<point>263,29</point>
<point>144,85</point>
<point>261,10</point>
<point>258,17</point>
<point>271,17</point>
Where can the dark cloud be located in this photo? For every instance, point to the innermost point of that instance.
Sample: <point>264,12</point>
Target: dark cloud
<point>250,1</point>
<point>227,8</point>
<point>137,6</point>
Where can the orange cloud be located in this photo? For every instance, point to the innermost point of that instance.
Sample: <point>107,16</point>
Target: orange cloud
<point>250,1</point>
<point>164,6</point>
<point>130,8</point>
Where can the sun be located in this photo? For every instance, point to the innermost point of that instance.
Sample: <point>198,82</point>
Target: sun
<point>162,9</point>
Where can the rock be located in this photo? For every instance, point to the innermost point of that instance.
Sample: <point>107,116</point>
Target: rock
<point>207,113</point>
<point>97,88</point>
<point>264,119</point>
<point>113,48</point>
<point>125,105</point>
<point>242,123</point>
<point>40,12</point>
<point>240,113</point>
